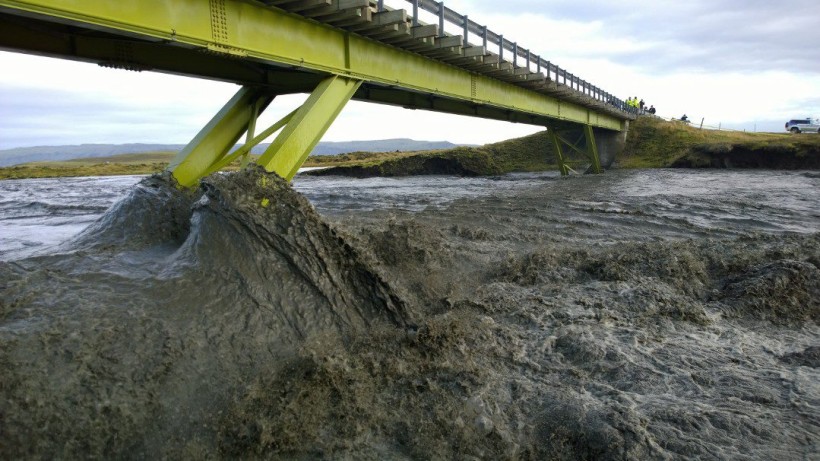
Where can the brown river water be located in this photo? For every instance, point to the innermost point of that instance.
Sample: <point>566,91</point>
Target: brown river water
<point>657,314</point>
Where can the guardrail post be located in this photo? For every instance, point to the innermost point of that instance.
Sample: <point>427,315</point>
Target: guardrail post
<point>550,71</point>
<point>515,53</point>
<point>441,19</point>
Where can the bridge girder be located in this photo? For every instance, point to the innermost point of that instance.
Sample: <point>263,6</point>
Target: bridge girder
<point>247,42</point>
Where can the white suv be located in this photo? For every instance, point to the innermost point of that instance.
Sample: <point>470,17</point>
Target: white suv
<point>804,125</point>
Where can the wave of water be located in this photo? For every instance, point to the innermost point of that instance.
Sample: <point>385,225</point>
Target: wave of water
<point>634,315</point>
<point>37,213</point>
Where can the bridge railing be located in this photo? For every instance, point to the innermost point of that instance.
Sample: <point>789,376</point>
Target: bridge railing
<point>520,57</point>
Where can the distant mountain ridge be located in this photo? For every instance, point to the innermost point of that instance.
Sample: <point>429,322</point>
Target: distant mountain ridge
<point>19,155</point>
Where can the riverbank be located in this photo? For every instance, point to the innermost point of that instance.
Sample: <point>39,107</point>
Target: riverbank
<point>651,143</point>
<point>655,143</point>
<point>116,165</point>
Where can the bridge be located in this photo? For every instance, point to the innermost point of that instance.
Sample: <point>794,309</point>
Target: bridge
<point>335,50</point>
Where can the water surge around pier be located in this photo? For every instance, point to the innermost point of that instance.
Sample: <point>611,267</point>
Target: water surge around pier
<point>586,319</point>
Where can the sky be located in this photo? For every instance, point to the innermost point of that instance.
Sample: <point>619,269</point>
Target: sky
<point>738,64</point>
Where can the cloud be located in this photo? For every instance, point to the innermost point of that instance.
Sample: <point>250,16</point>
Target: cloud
<point>696,35</point>
<point>43,116</point>
<point>734,62</point>
<point>94,108</point>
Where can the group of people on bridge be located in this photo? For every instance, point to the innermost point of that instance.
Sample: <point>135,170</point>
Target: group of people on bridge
<point>634,105</point>
<point>640,105</point>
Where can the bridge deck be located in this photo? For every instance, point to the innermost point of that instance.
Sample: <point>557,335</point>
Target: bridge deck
<point>396,27</point>
<point>336,50</point>
<point>290,46</point>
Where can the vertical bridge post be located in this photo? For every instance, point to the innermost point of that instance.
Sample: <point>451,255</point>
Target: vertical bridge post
<point>302,129</point>
<point>592,150</point>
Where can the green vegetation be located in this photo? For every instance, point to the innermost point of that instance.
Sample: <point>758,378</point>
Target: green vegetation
<point>652,143</point>
<point>126,164</point>
<point>530,153</point>
<point>655,143</point>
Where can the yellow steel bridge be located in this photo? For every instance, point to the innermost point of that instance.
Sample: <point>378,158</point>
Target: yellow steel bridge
<point>336,50</point>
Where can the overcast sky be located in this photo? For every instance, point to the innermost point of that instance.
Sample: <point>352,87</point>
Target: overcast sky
<point>744,64</point>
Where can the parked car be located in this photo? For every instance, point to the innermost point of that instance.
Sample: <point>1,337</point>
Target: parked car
<point>803,125</point>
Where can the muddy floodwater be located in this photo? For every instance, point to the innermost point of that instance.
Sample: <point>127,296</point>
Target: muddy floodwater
<point>657,314</point>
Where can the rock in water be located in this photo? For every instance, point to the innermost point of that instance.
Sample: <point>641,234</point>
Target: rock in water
<point>133,340</point>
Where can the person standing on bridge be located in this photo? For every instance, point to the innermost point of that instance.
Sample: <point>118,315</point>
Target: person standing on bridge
<point>641,104</point>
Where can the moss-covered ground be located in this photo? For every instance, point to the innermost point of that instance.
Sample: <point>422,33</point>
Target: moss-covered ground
<point>651,143</point>
<point>655,143</point>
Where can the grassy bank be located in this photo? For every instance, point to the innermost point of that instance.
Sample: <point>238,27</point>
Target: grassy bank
<point>652,143</point>
<point>529,153</point>
<point>126,164</point>
<point>655,143</point>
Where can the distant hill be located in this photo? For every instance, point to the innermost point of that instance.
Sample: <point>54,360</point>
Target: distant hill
<point>61,153</point>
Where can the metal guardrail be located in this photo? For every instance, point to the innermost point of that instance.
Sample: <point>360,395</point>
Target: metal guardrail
<point>521,57</point>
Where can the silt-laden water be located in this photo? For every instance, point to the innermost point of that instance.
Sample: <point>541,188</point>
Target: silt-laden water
<point>635,315</point>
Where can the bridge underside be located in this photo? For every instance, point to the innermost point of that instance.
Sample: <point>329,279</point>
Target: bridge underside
<point>275,60</point>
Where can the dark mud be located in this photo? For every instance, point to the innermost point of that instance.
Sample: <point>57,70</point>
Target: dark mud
<point>135,340</point>
<point>775,156</point>
<point>238,323</point>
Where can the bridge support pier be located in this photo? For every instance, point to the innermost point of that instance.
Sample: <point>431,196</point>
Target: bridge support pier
<point>610,143</point>
<point>309,123</point>
<point>584,144</point>
<point>302,129</point>
<point>217,137</point>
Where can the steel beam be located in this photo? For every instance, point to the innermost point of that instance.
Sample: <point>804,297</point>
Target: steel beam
<point>217,138</point>
<point>293,145</point>
<point>589,149</point>
<point>559,153</point>
<point>592,149</point>
<point>248,31</point>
